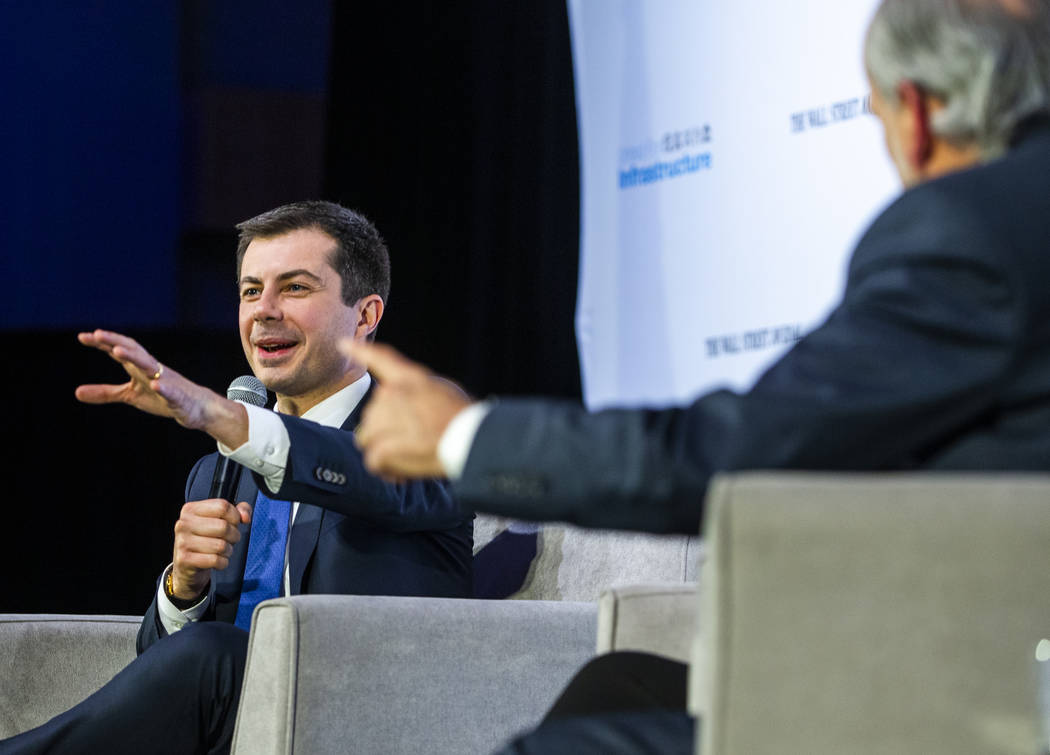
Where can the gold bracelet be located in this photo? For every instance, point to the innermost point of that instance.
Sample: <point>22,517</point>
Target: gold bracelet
<point>169,590</point>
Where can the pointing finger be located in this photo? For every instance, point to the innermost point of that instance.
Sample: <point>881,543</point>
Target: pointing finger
<point>371,420</point>
<point>385,362</point>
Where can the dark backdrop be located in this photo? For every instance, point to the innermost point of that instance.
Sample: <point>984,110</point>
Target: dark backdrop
<point>144,135</point>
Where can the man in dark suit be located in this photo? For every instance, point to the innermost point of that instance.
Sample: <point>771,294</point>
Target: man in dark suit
<point>361,536</point>
<point>303,521</point>
<point>937,357</point>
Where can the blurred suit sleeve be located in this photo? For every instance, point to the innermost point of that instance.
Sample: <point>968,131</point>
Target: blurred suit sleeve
<point>928,339</point>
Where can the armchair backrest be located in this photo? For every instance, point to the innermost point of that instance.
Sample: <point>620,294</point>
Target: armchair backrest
<point>876,613</point>
<point>574,563</point>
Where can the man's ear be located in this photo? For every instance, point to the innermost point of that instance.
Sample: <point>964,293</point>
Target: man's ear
<point>371,312</point>
<point>917,136</point>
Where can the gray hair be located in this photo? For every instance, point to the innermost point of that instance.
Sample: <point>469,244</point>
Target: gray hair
<point>988,60</point>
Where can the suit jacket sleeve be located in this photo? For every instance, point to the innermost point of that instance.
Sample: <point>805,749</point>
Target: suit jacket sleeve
<point>151,628</point>
<point>326,469</point>
<point>929,325</point>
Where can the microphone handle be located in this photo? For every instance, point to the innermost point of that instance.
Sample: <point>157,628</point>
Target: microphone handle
<point>224,481</point>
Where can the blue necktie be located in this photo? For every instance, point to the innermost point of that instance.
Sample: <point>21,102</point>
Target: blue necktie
<point>264,569</point>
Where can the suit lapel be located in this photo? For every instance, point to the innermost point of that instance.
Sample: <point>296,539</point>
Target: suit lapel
<point>302,540</point>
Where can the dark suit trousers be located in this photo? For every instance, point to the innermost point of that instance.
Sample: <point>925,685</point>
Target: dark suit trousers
<point>178,697</point>
<point>622,703</point>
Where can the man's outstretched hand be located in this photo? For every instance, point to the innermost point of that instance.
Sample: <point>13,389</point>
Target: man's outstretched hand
<point>406,415</point>
<point>160,390</point>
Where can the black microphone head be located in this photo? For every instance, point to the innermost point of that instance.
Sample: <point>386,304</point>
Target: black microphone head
<point>247,389</point>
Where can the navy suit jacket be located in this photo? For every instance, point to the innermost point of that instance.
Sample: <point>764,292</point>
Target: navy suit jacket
<point>353,533</point>
<point>937,357</point>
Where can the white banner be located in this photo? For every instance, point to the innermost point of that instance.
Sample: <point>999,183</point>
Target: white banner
<point>728,163</point>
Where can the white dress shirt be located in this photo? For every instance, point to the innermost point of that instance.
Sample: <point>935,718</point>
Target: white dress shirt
<point>455,443</point>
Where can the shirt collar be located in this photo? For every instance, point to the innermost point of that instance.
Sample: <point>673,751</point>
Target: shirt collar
<point>333,411</point>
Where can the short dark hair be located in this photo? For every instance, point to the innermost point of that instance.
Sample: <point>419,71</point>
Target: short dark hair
<point>360,257</point>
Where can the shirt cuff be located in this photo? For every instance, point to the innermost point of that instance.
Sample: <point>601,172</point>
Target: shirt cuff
<point>171,618</point>
<point>266,451</point>
<point>454,446</point>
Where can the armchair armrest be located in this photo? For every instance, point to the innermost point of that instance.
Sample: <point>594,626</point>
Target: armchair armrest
<point>50,662</point>
<point>661,619</point>
<point>371,674</point>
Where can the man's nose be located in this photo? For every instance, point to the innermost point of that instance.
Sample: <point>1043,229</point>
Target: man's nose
<point>267,307</point>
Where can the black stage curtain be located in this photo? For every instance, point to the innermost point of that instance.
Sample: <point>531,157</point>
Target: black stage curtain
<point>452,125</point>
<point>92,493</point>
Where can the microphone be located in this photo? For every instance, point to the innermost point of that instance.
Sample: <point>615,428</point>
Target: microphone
<point>247,389</point>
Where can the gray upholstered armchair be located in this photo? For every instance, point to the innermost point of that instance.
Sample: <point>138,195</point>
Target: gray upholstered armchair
<point>881,613</point>
<point>408,675</point>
